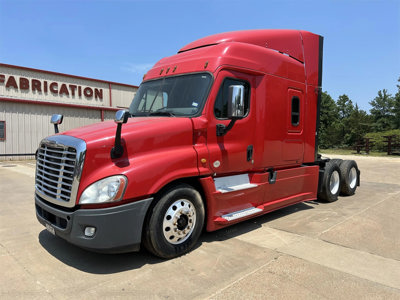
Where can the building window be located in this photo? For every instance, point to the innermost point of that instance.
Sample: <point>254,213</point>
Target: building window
<point>2,130</point>
<point>295,111</point>
<point>221,103</point>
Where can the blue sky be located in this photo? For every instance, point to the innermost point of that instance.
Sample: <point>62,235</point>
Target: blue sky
<point>120,40</point>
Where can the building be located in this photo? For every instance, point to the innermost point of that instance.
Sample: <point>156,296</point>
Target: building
<point>28,98</point>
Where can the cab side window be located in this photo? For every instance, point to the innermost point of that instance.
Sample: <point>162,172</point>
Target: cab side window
<point>221,103</point>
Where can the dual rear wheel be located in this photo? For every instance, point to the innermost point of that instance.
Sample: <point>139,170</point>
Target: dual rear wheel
<point>340,177</point>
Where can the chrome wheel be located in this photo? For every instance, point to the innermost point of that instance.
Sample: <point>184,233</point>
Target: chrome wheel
<point>179,221</point>
<point>352,177</point>
<point>334,182</point>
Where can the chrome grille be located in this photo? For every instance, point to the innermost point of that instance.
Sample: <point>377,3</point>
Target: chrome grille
<point>55,171</point>
<point>58,167</point>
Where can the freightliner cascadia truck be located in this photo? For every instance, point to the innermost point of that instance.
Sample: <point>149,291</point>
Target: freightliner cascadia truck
<point>223,131</point>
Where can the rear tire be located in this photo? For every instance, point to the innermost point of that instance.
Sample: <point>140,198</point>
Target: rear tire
<point>349,177</point>
<point>331,182</point>
<point>338,161</point>
<point>175,223</point>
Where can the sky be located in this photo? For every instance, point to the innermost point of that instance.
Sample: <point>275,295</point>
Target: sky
<point>120,40</point>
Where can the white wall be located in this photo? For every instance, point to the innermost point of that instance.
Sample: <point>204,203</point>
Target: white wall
<point>120,94</point>
<point>28,124</point>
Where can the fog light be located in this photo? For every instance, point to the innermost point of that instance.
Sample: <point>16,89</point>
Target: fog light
<point>90,231</point>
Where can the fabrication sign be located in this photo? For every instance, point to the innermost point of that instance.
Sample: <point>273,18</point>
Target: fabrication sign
<point>56,88</point>
<point>33,85</point>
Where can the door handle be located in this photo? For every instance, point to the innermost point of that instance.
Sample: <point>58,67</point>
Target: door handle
<point>250,153</point>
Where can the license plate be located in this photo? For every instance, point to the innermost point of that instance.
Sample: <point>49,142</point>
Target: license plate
<point>50,229</point>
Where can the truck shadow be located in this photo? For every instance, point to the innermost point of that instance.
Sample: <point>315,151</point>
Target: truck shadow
<point>92,262</point>
<point>255,223</point>
<point>98,263</point>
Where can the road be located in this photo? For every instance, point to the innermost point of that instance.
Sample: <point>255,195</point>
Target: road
<point>348,249</point>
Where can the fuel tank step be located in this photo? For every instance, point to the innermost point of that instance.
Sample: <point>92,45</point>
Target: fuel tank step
<point>233,183</point>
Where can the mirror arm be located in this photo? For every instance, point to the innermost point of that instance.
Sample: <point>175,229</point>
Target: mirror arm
<point>117,150</point>
<point>222,129</point>
<point>121,117</point>
<point>56,128</point>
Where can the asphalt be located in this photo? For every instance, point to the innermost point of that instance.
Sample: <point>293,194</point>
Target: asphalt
<point>349,249</point>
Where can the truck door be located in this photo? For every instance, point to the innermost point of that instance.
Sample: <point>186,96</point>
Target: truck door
<point>233,152</point>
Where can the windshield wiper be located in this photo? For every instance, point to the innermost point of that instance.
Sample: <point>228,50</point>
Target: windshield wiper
<point>162,113</point>
<point>138,114</point>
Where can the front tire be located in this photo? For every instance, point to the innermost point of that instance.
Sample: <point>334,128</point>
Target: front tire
<point>175,223</point>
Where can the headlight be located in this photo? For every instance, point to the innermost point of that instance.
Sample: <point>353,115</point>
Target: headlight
<point>110,189</point>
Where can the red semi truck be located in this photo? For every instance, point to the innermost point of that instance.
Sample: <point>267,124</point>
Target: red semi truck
<point>223,131</point>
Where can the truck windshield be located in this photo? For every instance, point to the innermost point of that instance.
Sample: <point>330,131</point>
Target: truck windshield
<point>182,95</point>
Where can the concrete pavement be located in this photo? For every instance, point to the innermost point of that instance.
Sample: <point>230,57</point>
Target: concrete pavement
<point>344,250</point>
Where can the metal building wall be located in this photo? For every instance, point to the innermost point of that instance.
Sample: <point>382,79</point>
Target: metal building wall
<point>28,124</point>
<point>109,115</point>
<point>28,98</point>
<point>119,94</point>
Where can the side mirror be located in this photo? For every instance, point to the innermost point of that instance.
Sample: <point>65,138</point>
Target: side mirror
<point>56,120</point>
<point>121,117</point>
<point>236,102</point>
<point>235,108</point>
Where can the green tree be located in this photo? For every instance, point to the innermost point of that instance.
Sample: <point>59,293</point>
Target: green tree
<point>345,109</point>
<point>382,111</point>
<point>345,106</point>
<point>396,107</point>
<point>329,130</point>
<point>358,124</point>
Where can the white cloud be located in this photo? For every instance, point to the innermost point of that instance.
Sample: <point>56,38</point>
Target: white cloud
<point>139,69</point>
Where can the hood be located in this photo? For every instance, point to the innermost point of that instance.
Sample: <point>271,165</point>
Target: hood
<point>139,134</point>
<point>138,126</point>
<point>143,139</point>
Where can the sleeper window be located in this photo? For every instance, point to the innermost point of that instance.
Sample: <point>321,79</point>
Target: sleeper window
<point>295,111</point>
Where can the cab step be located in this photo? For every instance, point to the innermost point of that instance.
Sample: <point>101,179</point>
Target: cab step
<point>241,214</point>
